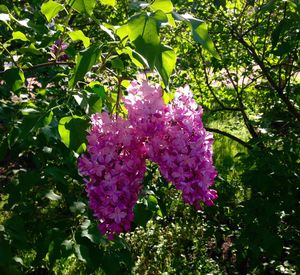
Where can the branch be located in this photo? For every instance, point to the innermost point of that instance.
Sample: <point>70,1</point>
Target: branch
<point>51,63</point>
<point>292,109</point>
<point>241,104</point>
<point>223,107</point>
<point>42,65</point>
<point>245,144</point>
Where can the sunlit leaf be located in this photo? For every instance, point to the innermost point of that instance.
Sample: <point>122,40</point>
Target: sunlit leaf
<point>165,63</point>
<point>164,5</point>
<point>48,118</point>
<point>19,36</point>
<point>171,20</point>
<point>199,32</point>
<point>83,6</point>
<point>72,131</point>
<point>50,9</point>
<point>79,35</point>
<point>4,9</point>
<point>85,60</point>
<point>31,49</point>
<point>89,102</point>
<point>108,2</point>
<point>143,32</point>
<point>160,17</point>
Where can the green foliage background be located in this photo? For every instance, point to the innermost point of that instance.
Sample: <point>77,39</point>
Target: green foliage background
<point>240,58</point>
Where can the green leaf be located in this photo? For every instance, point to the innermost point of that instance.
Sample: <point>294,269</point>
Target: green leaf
<point>5,252</point>
<point>4,9</point>
<point>56,174</point>
<point>152,203</point>
<point>143,32</point>
<point>199,32</point>
<point>269,6</point>
<point>83,6</point>
<point>19,36</point>
<point>89,102</point>
<point>14,79</point>
<point>117,64</point>
<point>85,60</point>
<point>95,104</point>
<point>31,49</point>
<point>79,35</point>
<point>165,63</point>
<point>50,9</point>
<point>72,131</point>
<point>160,17</point>
<point>171,20</point>
<point>142,214</point>
<point>285,25</point>
<point>135,57</point>
<point>108,2</point>
<point>164,5</point>
<point>122,32</point>
<point>92,233</point>
<point>48,118</point>
<point>98,89</point>
<point>14,226</point>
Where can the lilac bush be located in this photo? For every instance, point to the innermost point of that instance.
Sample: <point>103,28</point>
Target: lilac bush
<point>172,135</point>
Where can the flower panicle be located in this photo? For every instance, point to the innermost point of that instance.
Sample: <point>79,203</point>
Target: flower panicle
<point>172,135</point>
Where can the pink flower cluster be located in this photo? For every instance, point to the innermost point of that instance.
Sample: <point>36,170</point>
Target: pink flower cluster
<point>116,168</point>
<point>58,51</point>
<point>171,135</point>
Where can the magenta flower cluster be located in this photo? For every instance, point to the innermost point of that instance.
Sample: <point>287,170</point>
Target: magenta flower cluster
<point>171,135</point>
<point>57,51</point>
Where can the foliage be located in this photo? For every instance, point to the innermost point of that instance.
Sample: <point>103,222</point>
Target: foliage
<point>62,61</point>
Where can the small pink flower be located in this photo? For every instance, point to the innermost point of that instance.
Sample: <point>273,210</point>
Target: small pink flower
<point>117,215</point>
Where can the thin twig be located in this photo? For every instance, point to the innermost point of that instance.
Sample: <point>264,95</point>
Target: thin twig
<point>223,107</point>
<point>10,55</point>
<point>118,105</point>
<point>241,104</point>
<point>292,109</point>
<point>245,144</point>
<point>42,65</point>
